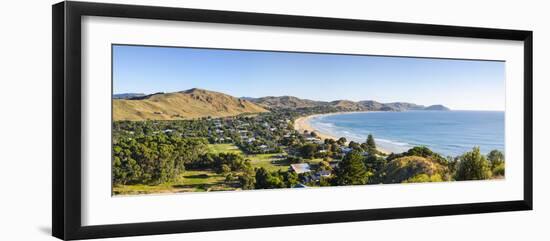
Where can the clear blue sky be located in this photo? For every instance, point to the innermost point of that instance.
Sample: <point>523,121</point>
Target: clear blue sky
<point>458,84</point>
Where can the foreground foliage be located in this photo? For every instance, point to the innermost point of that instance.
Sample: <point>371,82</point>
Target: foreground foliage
<point>244,152</point>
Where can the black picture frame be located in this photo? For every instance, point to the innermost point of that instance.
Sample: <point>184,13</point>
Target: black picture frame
<point>66,127</point>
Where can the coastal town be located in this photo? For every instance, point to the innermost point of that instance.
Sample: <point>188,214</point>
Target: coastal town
<point>273,149</point>
<point>268,141</point>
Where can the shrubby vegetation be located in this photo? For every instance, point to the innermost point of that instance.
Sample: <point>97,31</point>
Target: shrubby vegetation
<point>473,166</point>
<point>413,169</point>
<point>496,160</point>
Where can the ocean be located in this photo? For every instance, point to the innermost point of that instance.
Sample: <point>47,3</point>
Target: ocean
<point>445,132</point>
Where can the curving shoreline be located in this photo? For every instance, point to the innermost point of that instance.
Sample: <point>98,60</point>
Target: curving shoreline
<point>302,124</point>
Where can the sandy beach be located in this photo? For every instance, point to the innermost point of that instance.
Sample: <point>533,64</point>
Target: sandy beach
<point>302,124</point>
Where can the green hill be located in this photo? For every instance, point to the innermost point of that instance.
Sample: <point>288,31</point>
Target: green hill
<point>413,169</point>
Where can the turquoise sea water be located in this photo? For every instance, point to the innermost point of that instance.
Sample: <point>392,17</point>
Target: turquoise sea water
<point>445,132</point>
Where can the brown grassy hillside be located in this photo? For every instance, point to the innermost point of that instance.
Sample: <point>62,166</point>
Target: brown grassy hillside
<point>189,104</point>
<point>347,105</point>
<point>408,169</point>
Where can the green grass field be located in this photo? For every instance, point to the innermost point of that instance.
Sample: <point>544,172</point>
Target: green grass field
<point>221,148</point>
<point>189,181</point>
<point>270,162</point>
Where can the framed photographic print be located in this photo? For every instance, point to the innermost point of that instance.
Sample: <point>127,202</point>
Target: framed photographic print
<point>169,120</point>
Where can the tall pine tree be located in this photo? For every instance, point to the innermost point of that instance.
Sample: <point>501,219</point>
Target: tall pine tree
<point>371,145</point>
<point>351,170</point>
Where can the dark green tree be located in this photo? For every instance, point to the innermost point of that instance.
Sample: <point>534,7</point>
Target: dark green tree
<point>308,150</point>
<point>495,157</point>
<point>371,145</point>
<point>354,145</point>
<point>265,179</point>
<point>262,177</point>
<point>351,170</point>
<point>291,179</point>
<point>373,163</point>
<point>329,141</point>
<point>248,180</point>
<point>342,141</point>
<point>473,166</point>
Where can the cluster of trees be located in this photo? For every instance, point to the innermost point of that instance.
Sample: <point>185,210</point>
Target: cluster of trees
<point>153,159</point>
<point>248,178</point>
<point>280,179</point>
<point>368,146</point>
<point>332,148</point>
<point>474,166</point>
<point>222,163</point>
<point>187,128</point>
<point>358,166</point>
<point>418,164</point>
<point>161,158</point>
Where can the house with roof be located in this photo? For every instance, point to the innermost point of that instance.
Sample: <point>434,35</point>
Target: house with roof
<point>324,173</point>
<point>300,168</point>
<point>345,149</point>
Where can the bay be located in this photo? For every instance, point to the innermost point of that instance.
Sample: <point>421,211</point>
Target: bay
<point>445,132</point>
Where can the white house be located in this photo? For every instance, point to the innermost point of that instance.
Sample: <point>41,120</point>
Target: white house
<point>300,168</point>
<point>312,139</point>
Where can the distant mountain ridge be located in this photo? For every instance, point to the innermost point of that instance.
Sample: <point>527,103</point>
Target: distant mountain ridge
<point>285,102</point>
<point>196,103</point>
<point>290,102</point>
<point>437,107</point>
<point>127,95</point>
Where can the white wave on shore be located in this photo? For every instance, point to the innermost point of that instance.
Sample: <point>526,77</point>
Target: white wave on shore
<point>332,130</point>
